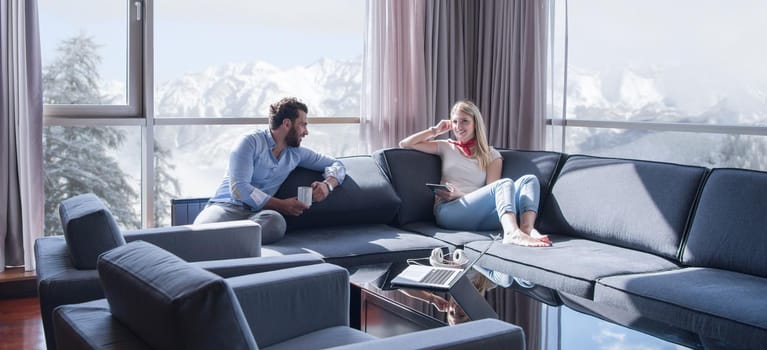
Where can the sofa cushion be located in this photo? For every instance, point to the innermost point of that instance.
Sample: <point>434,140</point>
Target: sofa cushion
<point>728,227</point>
<point>89,229</point>
<point>92,323</point>
<point>719,304</point>
<point>635,204</point>
<point>456,238</point>
<point>571,265</point>
<point>364,197</point>
<point>169,303</point>
<point>356,244</point>
<point>542,164</point>
<point>408,171</point>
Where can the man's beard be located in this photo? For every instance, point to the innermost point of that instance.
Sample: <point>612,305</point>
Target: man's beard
<point>292,139</point>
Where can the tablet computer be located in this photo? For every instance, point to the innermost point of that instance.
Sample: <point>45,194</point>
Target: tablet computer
<point>435,187</point>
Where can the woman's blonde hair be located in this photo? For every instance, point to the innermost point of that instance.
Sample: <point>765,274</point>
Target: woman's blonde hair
<point>481,149</point>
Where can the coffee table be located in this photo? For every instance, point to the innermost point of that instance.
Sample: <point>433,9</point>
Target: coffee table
<point>383,310</point>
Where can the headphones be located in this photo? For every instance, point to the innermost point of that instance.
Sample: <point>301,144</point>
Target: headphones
<point>457,259</point>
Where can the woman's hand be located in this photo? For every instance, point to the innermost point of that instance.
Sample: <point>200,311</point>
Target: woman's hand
<point>447,196</point>
<point>442,127</point>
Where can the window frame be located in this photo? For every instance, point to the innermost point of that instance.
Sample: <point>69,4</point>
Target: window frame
<point>135,67</point>
<point>139,110</point>
<point>563,122</point>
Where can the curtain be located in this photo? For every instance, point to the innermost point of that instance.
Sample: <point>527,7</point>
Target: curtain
<point>21,127</point>
<point>520,310</point>
<point>511,89</point>
<point>492,52</point>
<point>393,102</point>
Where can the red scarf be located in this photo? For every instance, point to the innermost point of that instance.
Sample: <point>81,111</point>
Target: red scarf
<point>465,147</point>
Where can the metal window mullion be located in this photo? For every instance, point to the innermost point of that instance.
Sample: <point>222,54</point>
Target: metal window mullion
<point>147,140</point>
<point>662,127</point>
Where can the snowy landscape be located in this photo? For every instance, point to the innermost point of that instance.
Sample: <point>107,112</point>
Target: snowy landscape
<point>200,152</point>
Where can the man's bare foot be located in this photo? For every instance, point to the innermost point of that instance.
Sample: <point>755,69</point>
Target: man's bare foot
<point>520,238</point>
<point>537,235</point>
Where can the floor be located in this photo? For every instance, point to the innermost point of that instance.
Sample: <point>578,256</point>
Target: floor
<point>20,324</point>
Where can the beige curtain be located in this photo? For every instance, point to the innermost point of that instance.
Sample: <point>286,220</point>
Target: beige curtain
<point>492,52</point>
<point>21,122</point>
<point>393,101</point>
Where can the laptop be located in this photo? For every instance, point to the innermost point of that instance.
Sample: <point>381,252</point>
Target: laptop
<point>434,277</point>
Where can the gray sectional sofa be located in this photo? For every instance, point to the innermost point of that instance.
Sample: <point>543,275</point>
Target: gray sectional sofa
<point>670,249</point>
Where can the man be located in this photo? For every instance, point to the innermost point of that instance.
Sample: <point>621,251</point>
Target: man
<point>260,163</point>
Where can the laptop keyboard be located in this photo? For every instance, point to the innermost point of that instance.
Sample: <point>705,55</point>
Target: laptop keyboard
<point>437,276</point>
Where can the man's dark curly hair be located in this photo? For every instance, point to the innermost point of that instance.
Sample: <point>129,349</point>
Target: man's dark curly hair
<point>287,107</point>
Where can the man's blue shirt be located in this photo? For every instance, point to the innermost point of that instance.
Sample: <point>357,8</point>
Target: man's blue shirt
<point>254,174</point>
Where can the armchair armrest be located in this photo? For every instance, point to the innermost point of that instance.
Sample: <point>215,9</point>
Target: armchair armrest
<point>212,241</point>
<point>59,282</point>
<point>244,266</point>
<point>482,334</point>
<point>284,304</point>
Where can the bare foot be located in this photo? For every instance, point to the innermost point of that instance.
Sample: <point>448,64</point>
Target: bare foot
<point>520,238</point>
<point>537,235</point>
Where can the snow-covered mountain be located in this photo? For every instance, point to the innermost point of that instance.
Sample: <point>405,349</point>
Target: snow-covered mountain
<point>633,95</point>
<point>328,87</point>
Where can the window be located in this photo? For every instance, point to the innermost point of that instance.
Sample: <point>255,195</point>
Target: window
<point>237,57</point>
<point>663,79</point>
<point>159,90</point>
<point>91,58</point>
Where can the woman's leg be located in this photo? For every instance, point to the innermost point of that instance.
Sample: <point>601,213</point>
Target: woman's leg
<point>484,209</point>
<point>527,200</point>
<point>477,210</point>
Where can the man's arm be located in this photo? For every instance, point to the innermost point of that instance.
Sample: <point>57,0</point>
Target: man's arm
<point>334,172</point>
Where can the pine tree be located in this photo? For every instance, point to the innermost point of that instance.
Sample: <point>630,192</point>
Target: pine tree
<point>166,186</point>
<point>73,77</point>
<point>79,159</point>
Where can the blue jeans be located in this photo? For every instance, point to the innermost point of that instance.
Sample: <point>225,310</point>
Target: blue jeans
<point>483,208</point>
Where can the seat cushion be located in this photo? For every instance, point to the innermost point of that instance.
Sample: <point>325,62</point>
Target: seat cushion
<point>169,303</point>
<point>456,238</point>
<point>324,338</point>
<point>89,229</point>
<point>356,245</point>
<point>571,265</point>
<point>364,197</point>
<point>718,304</point>
<point>91,323</point>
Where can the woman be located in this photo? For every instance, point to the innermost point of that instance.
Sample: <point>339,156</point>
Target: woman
<point>478,198</point>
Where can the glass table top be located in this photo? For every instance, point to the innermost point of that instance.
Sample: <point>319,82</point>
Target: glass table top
<point>574,325</point>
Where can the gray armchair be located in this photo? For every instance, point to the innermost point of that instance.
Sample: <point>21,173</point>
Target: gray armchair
<point>66,266</point>
<point>154,300</point>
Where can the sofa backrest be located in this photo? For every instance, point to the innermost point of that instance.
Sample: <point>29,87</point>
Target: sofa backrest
<point>542,164</point>
<point>636,204</point>
<point>89,229</point>
<point>409,170</point>
<point>365,197</point>
<point>169,303</point>
<point>729,226</point>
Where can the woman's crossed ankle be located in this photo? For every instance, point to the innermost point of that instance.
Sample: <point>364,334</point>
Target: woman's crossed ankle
<point>518,237</point>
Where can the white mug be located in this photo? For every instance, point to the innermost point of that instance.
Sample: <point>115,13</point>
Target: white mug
<point>305,195</point>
